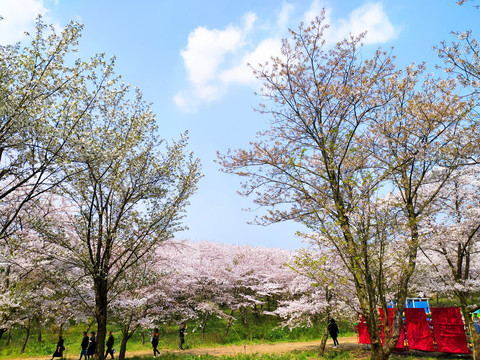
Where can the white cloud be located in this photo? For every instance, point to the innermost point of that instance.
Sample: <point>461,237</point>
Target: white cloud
<point>216,59</point>
<point>370,18</point>
<point>284,15</point>
<point>242,73</point>
<point>18,16</point>
<point>206,51</point>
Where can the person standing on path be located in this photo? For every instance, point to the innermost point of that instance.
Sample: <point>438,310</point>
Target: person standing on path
<point>155,338</point>
<point>333,331</point>
<point>181,333</point>
<point>92,345</point>
<point>110,342</point>
<point>59,350</point>
<point>84,346</point>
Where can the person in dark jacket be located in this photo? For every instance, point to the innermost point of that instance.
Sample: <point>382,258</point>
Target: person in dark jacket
<point>155,338</point>
<point>333,331</point>
<point>91,345</point>
<point>84,346</point>
<point>110,342</point>
<point>59,350</point>
<point>181,333</point>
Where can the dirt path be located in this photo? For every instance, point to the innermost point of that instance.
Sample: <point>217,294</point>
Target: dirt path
<point>345,342</point>
<point>277,348</point>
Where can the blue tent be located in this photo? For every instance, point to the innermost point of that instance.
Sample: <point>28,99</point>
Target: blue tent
<point>413,303</point>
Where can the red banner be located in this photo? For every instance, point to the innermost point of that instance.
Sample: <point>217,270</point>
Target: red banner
<point>419,335</point>
<point>401,340</point>
<point>449,330</point>
<point>363,335</point>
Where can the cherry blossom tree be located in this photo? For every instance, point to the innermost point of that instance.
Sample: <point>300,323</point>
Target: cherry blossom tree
<point>452,245</point>
<point>318,290</point>
<point>43,99</point>
<point>207,279</point>
<point>342,129</point>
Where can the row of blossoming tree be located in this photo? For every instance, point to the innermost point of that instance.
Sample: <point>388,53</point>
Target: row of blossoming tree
<point>380,163</point>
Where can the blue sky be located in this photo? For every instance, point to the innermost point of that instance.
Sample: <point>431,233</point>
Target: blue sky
<point>189,59</point>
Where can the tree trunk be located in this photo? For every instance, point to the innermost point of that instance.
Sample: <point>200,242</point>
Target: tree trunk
<point>204,324</point>
<point>27,335</point>
<point>123,346</point>
<point>243,313</point>
<point>231,319</point>
<point>9,337</point>
<point>469,325</point>
<point>39,338</point>
<point>126,335</point>
<point>324,337</point>
<point>101,303</point>
<point>475,340</point>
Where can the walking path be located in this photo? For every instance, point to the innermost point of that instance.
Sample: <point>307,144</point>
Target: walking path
<point>278,348</point>
<point>232,350</point>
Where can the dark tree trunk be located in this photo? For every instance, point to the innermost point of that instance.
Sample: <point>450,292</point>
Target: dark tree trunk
<point>101,302</point>
<point>231,320</point>
<point>123,346</point>
<point>126,335</point>
<point>243,314</point>
<point>27,335</point>
<point>204,324</point>
<point>9,337</point>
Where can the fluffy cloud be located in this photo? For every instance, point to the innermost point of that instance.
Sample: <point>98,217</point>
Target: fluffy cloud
<point>204,55</point>
<point>18,16</point>
<point>370,18</point>
<point>216,59</point>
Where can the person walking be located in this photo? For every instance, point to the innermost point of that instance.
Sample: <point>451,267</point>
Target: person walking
<point>333,331</point>
<point>60,348</point>
<point>91,345</point>
<point>181,333</point>
<point>110,342</point>
<point>155,338</point>
<point>476,322</point>
<point>84,346</point>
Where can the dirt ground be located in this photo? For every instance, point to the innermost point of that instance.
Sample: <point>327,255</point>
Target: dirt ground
<point>345,342</point>
<point>278,348</point>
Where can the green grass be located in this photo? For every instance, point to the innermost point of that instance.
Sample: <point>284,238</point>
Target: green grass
<point>259,329</point>
<point>297,355</point>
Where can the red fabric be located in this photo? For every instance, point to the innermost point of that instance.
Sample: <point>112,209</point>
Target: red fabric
<point>363,335</point>
<point>449,330</point>
<point>419,335</point>
<point>401,340</point>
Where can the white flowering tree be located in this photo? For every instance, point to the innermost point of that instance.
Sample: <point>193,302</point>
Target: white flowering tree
<point>319,288</point>
<point>343,127</point>
<point>120,189</point>
<point>452,244</point>
<point>43,100</point>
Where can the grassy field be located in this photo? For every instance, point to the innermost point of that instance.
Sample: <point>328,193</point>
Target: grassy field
<point>258,330</point>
